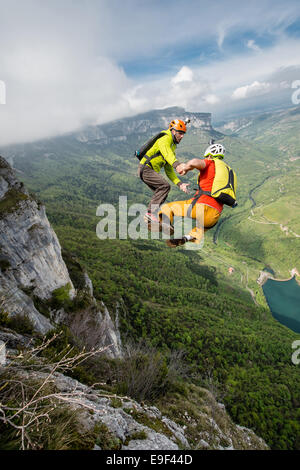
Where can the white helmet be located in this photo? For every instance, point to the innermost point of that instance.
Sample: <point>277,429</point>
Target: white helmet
<point>215,150</point>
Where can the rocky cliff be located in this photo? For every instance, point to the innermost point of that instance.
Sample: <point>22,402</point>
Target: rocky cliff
<point>142,124</point>
<point>34,278</point>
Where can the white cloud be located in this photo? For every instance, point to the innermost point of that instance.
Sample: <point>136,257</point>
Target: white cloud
<point>187,89</point>
<point>56,80</point>
<point>252,45</point>
<point>221,36</point>
<point>222,86</point>
<point>185,74</point>
<point>255,89</point>
<point>284,85</point>
<point>63,62</point>
<point>53,93</point>
<point>212,99</point>
<point>136,99</point>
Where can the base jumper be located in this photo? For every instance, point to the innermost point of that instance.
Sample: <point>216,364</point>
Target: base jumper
<point>161,154</point>
<point>205,209</point>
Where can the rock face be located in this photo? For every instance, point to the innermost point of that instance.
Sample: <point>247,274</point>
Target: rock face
<point>32,267</point>
<point>28,244</point>
<point>17,303</point>
<point>146,123</point>
<point>235,125</point>
<point>95,328</point>
<point>30,254</point>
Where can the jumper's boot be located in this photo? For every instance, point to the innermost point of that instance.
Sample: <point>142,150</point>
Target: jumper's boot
<point>173,243</point>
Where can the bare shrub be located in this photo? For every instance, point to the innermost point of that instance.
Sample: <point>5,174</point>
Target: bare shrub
<point>31,412</point>
<point>145,373</point>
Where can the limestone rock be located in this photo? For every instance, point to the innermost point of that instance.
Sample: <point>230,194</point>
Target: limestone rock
<point>17,303</point>
<point>30,253</point>
<point>32,266</point>
<point>32,250</point>
<point>14,340</point>
<point>139,427</point>
<point>118,421</point>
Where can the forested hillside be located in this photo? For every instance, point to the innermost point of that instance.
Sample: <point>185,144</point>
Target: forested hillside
<point>186,300</point>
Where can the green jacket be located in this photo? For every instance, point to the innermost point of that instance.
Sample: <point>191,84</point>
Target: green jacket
<point>165,150</point>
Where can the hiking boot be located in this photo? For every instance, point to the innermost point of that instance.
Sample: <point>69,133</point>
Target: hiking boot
<point>173,243</point>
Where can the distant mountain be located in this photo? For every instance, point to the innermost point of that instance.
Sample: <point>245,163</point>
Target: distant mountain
<point>126,132</point>
<point>278,129</point>
<point>149,122</point>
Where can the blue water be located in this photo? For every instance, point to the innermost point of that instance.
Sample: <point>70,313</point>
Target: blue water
<point>283,298</point>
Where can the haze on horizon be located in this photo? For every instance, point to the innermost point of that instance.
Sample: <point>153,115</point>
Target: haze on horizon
<point>74,63</point>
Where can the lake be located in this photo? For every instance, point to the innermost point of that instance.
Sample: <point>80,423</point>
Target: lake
<point>283,298</point>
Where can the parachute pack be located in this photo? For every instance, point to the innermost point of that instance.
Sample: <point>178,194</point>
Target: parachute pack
<point>147,145</point>
<point>225,184</point>
<point>223,188</point>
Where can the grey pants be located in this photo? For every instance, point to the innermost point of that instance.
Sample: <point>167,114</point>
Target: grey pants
<point>157,183</point>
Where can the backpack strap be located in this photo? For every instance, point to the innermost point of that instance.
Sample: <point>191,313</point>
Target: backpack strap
<point>189,211</point>
<point>148,159</point>
<point>197,197</point>
<point>148,163</point>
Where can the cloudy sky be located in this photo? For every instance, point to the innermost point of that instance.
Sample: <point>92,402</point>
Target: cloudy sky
<point>69,63</point>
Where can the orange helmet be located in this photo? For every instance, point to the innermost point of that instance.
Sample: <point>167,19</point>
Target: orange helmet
<point>178,125</point>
